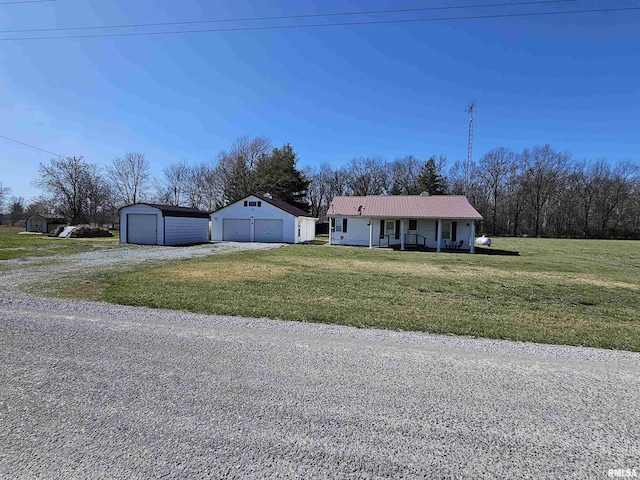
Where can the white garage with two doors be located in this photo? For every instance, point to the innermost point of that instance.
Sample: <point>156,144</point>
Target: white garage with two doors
<point>264,219</point>
<point>154,224</point>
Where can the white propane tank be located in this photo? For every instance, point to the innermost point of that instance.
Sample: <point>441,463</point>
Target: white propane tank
<point>484,241</point>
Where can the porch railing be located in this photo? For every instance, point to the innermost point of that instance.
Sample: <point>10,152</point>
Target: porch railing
<point>411,239</point>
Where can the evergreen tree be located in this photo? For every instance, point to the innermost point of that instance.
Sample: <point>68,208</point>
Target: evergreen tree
<point>277,174</point>
<point>430,179</point>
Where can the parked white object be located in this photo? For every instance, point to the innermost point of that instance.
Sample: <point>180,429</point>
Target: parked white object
<point>484,241</point>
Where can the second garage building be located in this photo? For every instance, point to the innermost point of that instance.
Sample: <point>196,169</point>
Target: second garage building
<point>264,219</point>
<point>154,224</point>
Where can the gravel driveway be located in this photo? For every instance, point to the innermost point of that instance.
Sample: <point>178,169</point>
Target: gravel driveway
<point>20,272</point>
<point>91,390</point>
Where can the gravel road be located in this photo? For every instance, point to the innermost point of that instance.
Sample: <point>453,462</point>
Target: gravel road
<point>90,390</point>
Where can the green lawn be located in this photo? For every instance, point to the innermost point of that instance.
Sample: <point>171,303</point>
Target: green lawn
<point>578,292</point>
<point>13,245</point>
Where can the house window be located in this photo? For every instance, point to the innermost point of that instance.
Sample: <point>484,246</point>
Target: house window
<point>389,227</point>
<point>413,224</point>
<point>446,230</point>
<point>252,204</point>
<point>344,225</point>
<point>338,226</point>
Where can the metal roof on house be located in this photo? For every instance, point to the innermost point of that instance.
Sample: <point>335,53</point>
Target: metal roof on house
<point>173,211</point>
<point>404,206</point>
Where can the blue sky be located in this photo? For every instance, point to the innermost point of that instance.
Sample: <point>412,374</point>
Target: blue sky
<point>572,81</point>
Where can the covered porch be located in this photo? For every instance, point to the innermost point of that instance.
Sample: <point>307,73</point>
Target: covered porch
<point>436,235</point>
<point>424,234</point>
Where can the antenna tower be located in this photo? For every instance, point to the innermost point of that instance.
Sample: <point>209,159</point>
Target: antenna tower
<point>469,164</point>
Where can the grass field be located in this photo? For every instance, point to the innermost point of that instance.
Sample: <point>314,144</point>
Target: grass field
<point>578,292</point>
<point>13,245</point>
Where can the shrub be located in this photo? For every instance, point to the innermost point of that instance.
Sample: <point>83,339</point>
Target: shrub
<point>85,231</point>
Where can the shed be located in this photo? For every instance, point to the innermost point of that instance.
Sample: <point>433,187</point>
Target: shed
<point>155,224</point>
<point>264,219</point>
<point>44,223</point>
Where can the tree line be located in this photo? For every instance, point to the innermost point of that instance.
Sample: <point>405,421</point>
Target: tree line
<point>538,191</point>
<point>83,192</point>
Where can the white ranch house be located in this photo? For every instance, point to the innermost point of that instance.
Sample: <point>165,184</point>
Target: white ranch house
<point>427,222</point>
<point>155,224</point>
<point>262,218</point>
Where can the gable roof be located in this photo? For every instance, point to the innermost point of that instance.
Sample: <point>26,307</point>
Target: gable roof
<point>407,206</point>
<point>281,204</point>
<point>172,211</point>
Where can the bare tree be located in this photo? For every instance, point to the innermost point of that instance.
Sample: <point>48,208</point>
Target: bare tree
<point>542,174</point>
<point>237,166</point>
<point>130,178</point>
<point>404,174</point>
<point>456,178</point>
<point>203,188</point>
<point>4,192</point>
<point>172,188</point>
<point>493,170</point>
<point>71,183</point>
<point>583,185</point>
<point>368,176</point>
<point>339,183</point>
<point>100,204</point>
<point>614,189</point>
<point>44,204</point>
<point>319,191</point>
<point>16,209</point>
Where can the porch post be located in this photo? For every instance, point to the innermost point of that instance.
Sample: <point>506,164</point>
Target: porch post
<point>439,240</point>
<point>329,218</point>
<point>402,234</point>
<point>472,245</point>
<point>371,233</point>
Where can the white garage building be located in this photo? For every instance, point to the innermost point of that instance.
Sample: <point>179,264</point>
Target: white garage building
<point>153,224</point>
<point>264,219</point>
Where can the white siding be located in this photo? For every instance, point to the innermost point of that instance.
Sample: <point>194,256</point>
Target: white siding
<point>307,229</point>
<point>358,232</point>
<point>265,211</point>
<point>143,210</point>
<point>178,230</point>
<point>184,230</point>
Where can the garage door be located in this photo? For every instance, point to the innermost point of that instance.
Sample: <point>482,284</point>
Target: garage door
<point>236,230</point>
<point>142,229</point>
<point>268,231</point>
